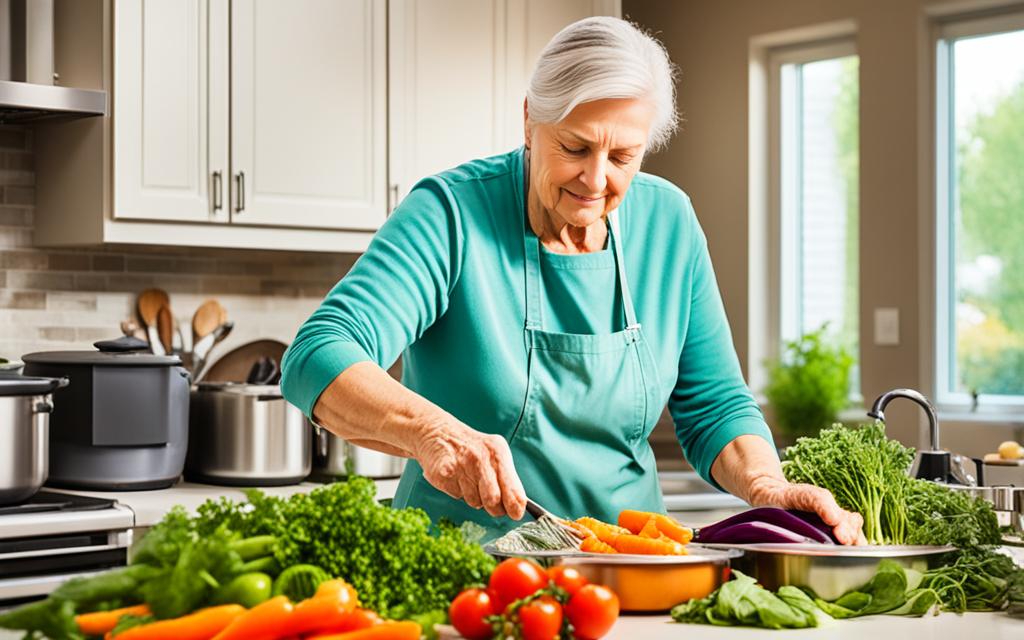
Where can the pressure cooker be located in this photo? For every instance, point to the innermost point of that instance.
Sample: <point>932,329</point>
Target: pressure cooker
<point>25,406</point>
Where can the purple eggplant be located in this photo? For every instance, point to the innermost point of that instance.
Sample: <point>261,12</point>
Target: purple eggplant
<point>753,532</point>
<point>800,530</point>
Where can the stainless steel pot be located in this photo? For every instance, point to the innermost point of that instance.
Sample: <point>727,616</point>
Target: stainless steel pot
<point>332,455</point>
<point>25,406</point>
<point>246,435</point>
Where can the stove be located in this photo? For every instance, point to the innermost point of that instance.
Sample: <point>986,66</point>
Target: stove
<point>54,537</point>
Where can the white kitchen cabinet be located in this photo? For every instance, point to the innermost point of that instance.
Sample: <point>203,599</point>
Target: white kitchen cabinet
<point>458,71</point>
<point>233,123</point>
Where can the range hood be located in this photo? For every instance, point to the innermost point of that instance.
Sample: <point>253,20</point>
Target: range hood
<point>24,102</point>
<point>28,92</point>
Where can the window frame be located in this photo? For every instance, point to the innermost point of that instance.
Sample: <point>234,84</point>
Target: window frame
<point>945,31</point>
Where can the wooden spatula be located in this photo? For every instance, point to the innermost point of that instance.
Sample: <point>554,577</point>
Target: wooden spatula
<point>165,328</point>
<point>150,302</point>
<point>210,315</point>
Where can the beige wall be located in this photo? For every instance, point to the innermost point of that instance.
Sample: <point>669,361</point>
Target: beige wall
<point>709,40</point>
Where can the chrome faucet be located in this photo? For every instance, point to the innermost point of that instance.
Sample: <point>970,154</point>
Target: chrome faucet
<point>877,410</point>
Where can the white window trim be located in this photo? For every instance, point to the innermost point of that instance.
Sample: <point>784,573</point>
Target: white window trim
<point>767,53</point>
<point>936,359</point>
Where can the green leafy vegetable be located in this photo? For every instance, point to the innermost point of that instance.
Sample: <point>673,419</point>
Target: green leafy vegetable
<point>743,602</point>
<point>867,473</point>
<point>397,561</point>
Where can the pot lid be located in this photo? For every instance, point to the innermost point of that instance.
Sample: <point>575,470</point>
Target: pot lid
<point>17,385</point>
<point>124,351</point>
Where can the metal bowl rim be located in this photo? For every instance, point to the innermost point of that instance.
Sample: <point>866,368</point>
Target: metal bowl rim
<point>697,554</point>
<point>838,550</point>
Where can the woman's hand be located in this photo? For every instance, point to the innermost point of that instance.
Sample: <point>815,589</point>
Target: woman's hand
<point>472,466</point>
<point>773,492</point>
<point>749,467</point>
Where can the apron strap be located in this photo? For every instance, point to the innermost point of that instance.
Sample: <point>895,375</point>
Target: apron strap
<point>627,299</point>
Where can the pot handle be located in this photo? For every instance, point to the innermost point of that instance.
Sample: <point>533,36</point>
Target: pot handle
<point>43,406</point>
<point>321,441</point>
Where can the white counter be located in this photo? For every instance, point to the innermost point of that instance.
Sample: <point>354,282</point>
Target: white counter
<point>970,626</point>
<point>150,506</point>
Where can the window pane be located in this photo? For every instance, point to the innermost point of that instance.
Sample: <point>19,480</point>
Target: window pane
<point>820,200</point>
<point>988,206</point>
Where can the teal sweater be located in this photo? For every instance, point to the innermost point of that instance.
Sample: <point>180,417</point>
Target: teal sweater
<point>442,284</point>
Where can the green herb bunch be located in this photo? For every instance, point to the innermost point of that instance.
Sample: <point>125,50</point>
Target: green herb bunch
<point>399,564</point>
<point>867,473</point>
<point>810,384</point>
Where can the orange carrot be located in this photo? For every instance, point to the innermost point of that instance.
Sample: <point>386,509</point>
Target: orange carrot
<point>406,630</point>
<point>629,543</point>
<point>352,621</point>
<point>318,613</point>
<point>338,589</point>
<point>265,621</point>
<point>100,622</point>
<point>201,625</point>
<point>578,528</point>
<point>635,521</point>
<point>650,530</point>
<point>594,545</point>
<point>604,531</point>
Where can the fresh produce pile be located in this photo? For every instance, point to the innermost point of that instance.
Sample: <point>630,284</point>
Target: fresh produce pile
<point>971,583</point>
<point>638,532</point>
<point>867,473</point>
<point>524,601</point>
<point>234,553</point>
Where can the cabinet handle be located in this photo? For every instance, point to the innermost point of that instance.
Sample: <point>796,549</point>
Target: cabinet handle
<point>393,197</point>
<point>240,191</point>
<point>218,195</point>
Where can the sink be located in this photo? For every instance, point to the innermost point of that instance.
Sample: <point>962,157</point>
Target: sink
<point>687,491</point>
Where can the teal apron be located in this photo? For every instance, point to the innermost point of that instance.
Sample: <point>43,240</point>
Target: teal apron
<point>580,445</point>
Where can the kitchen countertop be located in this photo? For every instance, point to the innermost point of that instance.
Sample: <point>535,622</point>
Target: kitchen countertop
<point>150,506</point>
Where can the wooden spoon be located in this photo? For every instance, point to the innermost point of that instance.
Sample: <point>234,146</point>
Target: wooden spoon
<point>210,315</point>
<point>165,327</point>
<point>150,302</point>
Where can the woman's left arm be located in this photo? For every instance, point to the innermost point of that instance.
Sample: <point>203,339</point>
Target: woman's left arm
<point>749,468</point>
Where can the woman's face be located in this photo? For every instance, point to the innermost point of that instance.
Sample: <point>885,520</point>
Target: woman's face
<point>581,167</point>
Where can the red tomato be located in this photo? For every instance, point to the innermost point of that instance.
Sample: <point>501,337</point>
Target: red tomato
<point>592,611</point>
<point>516,578</point>
<point>468,612</point>
<point>567,578</point>
<point>541,619</point>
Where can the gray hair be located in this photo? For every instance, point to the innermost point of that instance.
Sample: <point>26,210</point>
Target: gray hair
<point>598,58</point>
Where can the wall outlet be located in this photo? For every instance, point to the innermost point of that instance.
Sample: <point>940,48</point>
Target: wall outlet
<point>887,326</point>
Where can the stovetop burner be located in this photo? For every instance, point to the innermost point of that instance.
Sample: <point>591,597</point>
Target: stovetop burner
<point>45,501</point>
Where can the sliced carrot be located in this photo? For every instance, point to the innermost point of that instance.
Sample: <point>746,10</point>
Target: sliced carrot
<point>318,613</point>
<point>405,630</point>
<point>671,528</point>
<point>352,621</point>
<point>650,530</point>
<point>201,625</point>
<point>100,622</point>
<point>604,531</point>
<point>629,543</point>
<point>635,521</point>
<point>578,528</point>
<point>265,621</point>
<point>595,545</point>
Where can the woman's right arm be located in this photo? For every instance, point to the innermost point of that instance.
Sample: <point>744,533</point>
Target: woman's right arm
<point>392,295</point>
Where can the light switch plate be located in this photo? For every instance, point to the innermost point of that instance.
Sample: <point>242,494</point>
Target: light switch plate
<point>887,326</point>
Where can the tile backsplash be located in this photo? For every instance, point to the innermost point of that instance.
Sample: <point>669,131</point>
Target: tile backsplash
<point>56,299</point>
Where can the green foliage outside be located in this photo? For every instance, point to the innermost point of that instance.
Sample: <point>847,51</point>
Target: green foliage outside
<point>990,157</point>
<point>846,119</point>
<point>809,385</point>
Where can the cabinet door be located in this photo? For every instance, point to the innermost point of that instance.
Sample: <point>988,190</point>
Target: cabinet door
<point>446,85</point>
<point>308,113</point>
<point>163,158</point>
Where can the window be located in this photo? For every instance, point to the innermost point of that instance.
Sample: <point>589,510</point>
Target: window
<point>815,149</point>
<point>980,212</point>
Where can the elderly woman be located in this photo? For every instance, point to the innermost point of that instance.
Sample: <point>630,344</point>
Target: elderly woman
<point>550,302</point>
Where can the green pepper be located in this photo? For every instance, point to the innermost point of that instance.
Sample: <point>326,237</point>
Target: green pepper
<point>255,547</point>
<point>248,590</point>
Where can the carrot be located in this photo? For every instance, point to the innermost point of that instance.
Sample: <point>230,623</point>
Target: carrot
<point>578,528</point>
<point>650,530</point>
<point>201,625</point>
<point>100,622</point>
<point>635,521</point>
<point>406,630</point>
<point>604,531</point>
<point>265,621</point>
<point>594,545</point>
<point>338,589</point>
<point>317,613</point>
<point>629,543</point>
<point>352,621</point>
